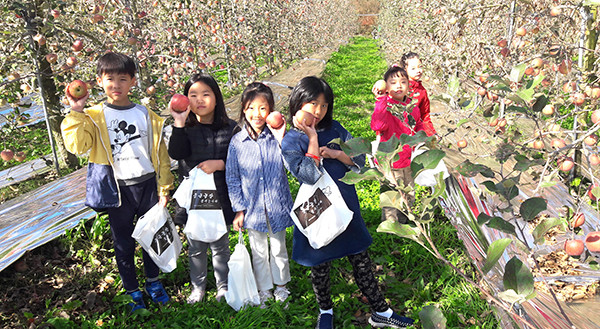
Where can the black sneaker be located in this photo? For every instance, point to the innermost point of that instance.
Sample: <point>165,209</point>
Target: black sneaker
<point>325,321</point>
<point>395,321</point>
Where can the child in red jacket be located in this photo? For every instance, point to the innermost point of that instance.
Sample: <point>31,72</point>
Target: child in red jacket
<point>412,64</point>
<point>387,124</point>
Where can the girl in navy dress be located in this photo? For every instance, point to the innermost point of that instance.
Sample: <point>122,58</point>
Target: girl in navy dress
<point>309,150</point>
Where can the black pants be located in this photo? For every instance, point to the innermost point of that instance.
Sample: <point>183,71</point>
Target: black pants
<point>363,275</point>
<point>136,200</point>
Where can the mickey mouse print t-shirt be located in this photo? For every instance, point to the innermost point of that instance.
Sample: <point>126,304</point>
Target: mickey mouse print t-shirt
<point>129,141</point>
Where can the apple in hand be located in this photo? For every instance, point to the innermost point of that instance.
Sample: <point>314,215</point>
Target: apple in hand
<point>574,247</point>
<point>307,117</point>
<point>77,89</point>
<point>6,155</point>
<point>275,119</point>
<point>179,103</point>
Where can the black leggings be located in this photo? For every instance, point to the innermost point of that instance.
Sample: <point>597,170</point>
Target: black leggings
<point>363,275</point>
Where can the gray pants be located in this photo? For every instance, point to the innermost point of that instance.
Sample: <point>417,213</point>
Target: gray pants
<point>198,261</point>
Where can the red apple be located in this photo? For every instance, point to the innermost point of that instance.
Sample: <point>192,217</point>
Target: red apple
<point>521,31</point>
<point>502,43</point>
<point>275,119</point>
<point>578,98</point>
<point>578,219</point>
<point>592,241</point>
<point>381,86</point>
<point>20,156</point>
<point>565,66</point>
<point>307,117</point>
<point>6,155</point>
<point>538,144</point>
<point>548,110</point>
<point>77,89</point>
<point>179,103</point>
<point>494,122</point>
<point>51,58</point>
<point>555,11</point>
<point>481,91</point>
<point>537,62</point>
<point>574,247</point>
<point>566,164</point>
<point>505,52</point>
<point>77,45</point>
<point>502,123</point>
<point>461,143</point>
<point>595,116</point>
<point>558,143</point>
<point>55,13</point>
<point>151,90</point>
<point>96,18</point>
<point>591,140</point>
<point>72,61</point>
<point>590,194</point>
<point>594,159</point>
<point>40,39</point>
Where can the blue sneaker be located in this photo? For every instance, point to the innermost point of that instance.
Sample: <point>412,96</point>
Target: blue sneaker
<point>325,321</point>
<point>138,301</point>
<point>157,292</point>
<point>394,321</point>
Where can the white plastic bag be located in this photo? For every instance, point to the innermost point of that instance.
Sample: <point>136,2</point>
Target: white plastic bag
<point>156,233</point>
<point>198,195</point>
<point>320,212</point>
<point>427,176</point>
<point>241,284</point>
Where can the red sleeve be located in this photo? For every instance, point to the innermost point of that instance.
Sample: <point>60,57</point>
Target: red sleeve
<point>425,115</point>
<point>381,116</point>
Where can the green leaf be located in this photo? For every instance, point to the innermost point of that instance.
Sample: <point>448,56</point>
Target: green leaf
<point>526,95</point>
<point>518,277</point>
<point>491,186</point>
<point>469,169</point>
<point>518,109</point>
<point>432,318</point>
<point>523,163</point>
<point>427,160</point>
<point>453,86</point>
<point>545,225</point>
<point>535,82</point>
<point>501,225</point>
<point>401,230</point>
<point>499,79</point>
<point>461,122</point>
<point>369,174</point>
<point>501,86</point>
<point>494,252</point>
<point>532,207</point>
<point>511,296</point>
<point>539,104</point>
<point>418,138</point>
<point>516,73</point>
<point>483,218</point>
<point>389,146</point>
<point>356,146</point>
<point>391,199</point>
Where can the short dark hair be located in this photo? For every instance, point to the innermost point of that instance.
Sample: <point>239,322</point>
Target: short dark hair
<point>111,63</point>
<point>309,89</point>
<point>406,57</point>
<point>394,71</point>
<point>220,119</point>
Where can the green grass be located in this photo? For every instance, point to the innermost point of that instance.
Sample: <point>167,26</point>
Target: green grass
<point>409,276</point>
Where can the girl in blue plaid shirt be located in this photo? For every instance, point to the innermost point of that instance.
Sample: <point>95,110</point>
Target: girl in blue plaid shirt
<point>259,191</point>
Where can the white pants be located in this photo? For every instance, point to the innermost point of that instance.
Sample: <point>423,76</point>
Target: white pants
<point>269,270</point>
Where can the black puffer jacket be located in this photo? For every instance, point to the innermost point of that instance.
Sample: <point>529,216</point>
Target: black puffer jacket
<point>194,144</point>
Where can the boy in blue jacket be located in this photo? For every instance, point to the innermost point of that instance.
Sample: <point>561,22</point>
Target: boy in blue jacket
<point>129,167</point>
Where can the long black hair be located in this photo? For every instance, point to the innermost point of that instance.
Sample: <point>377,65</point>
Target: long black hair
<point>309,89</point>
<point>220,117</point>
<point>252,91</point>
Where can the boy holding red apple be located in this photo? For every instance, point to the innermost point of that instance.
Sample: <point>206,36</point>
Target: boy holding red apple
<point>129,168</point>
<point>387,124</point>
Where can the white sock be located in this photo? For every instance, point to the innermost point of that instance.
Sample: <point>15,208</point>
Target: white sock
<point>329,311</point>
<point>387,313</point>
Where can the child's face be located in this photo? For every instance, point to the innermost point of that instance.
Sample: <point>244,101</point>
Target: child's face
<point>318,107</point>
<point>413,69</point>
<point>256,113</point>
<point>202,101</point>
<point>116,86</point>
<point>397,87</point>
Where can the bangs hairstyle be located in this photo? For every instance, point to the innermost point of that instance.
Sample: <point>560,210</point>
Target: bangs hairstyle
<point>220,117</point>
<point>406,57</point>
<point>252,91</point>
<point>309,89</point>
<point>115,63</point>
<point>395,71</point>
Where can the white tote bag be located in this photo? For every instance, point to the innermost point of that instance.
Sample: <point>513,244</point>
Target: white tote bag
<point>156,233</point>
<point>427,176</point>
<point>205,222</point>
<point>320,212</point>
<point>241,284</point>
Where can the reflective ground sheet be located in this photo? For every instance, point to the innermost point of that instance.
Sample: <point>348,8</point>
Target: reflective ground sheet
<point>464,199</point>
<point>40,216</point>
